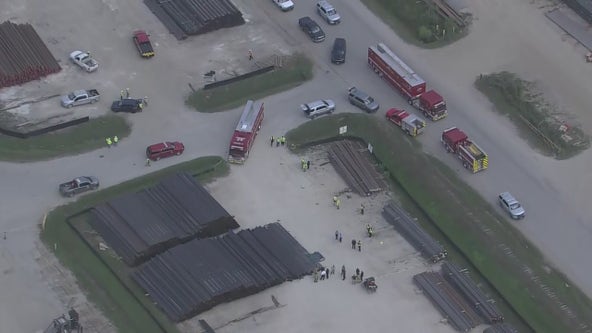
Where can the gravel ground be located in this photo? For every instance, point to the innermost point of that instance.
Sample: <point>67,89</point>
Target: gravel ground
<point>507,35</point>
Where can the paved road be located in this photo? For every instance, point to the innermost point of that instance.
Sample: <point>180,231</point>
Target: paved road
<point>554,223</point>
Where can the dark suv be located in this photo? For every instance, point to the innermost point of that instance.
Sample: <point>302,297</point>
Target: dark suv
<point>313,30</point>
<point>338,51</point>
<point>127,105</point>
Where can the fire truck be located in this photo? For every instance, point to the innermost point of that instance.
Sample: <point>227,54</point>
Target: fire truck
<point>472,156</point>
<point>245,133</point>
<point>409,123</point>
<point>390,67</point>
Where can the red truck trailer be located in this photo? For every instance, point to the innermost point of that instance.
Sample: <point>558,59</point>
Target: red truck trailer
<point>409,123</point>
<point>245,133</point>
<point>472,156</point>
<point>390,67</point>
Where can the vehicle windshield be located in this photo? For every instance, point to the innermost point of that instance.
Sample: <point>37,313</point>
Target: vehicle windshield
<point>440,108</point>
<point>332,12</point>
<point>370,100</point>
<point>515,206</point>
<point>71,96</point>
<point>315,29</point>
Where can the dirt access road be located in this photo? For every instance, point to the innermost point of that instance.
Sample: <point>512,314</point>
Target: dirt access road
<point>506,35</point>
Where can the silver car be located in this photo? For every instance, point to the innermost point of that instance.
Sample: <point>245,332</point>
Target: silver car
<point>84,61</point>
<point>362,100</point>
<point>328,12</point>
<point>511,205</point>
<point>318,108</point>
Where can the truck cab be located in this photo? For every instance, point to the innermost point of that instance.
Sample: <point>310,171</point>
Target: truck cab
<point>432,105</point>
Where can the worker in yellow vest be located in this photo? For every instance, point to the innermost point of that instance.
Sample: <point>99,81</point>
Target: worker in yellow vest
<point>108,140</point>
<point>115,140</point>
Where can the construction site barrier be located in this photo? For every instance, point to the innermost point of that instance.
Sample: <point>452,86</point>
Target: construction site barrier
<point>25,135</point>
<point>239,78</point>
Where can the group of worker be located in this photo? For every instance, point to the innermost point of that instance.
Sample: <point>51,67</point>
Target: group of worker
<point>305,165</point>
<point>126,94</point>
<point>280,140</point>
<point>113,141</point>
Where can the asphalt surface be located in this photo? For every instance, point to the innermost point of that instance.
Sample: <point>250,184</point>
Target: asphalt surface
<point>554,193</point>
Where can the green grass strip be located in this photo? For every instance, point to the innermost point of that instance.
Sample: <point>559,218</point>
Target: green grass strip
<point>295,71</point>
<point>464,216</point>
<point>69,141</point>
<point>102,287</point>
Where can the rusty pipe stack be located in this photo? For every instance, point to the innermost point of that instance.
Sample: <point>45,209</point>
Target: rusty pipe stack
<point>23,55</point>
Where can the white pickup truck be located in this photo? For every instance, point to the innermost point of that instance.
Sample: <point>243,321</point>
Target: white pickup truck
<point>285,5</point>
<point>80,97</point>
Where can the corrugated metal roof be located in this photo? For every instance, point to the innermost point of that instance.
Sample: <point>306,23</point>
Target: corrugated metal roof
<point>389,57</point>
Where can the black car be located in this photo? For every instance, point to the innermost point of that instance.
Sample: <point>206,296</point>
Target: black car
<point>338,51</point>
<point>313,30</point>
<point>127,105</point>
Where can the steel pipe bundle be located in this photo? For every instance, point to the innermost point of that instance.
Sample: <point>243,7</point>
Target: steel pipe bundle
<point>459,314</point>
<point>23,55</point>
<point>193,277</point>
<point>413,232</point>
<point>140,225</point>
<point>195,17</point>
<point>355,169</point>
<point>500,328</point>
<point>481,304</point>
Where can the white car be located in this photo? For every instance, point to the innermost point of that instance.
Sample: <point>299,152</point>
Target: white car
<point>285,5</point>
<point>511,205</point>
<point>84,61</point>
<point>318,108</point>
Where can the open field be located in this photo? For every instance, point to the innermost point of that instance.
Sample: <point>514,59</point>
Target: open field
<point>538,122</point>
<point>70,141</point>
<point>488,241</point>
<point>96,279</point>
<point>416,23</point>
<point>296,70</point>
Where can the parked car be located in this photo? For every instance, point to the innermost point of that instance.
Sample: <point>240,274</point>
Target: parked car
<point>164,149</point>
<point>80,97</point>
<point>131,105</point>
<point>142,41</point>
<point>328,12</point>
<point>511,205</point>
<point>84,61</point>
<point>362,100</point>
<point>338,51</point>
<point>318,108</point>
<point>285,5</point>
<point>78,185</point>
<point>311,28</point>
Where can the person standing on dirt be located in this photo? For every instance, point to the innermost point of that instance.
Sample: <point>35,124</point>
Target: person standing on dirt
<point>362,275</point>
<point>307,164</point>
<point>362,209</point>
<point>336,234</point>
<point>357,271</point>
<point>250,55</point>
<point>108,141</point>
<point>272,140</point>
<point>359,245</point>
<point>332,269</point>
<point>353,244</point>
<point>327,272</point>
<point>343,272</point>
<point>340,237</point>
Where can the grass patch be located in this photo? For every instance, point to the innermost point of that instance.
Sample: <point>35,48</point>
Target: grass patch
<point>69,141</point>
<point>494,247</point>
<point>128,313</point>
<point>297,69</point>
<point>544,128</point>
<point>416,22</point>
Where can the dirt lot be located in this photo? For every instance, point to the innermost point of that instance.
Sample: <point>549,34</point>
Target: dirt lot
<point>507,34</point>
<point>302,202</point>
